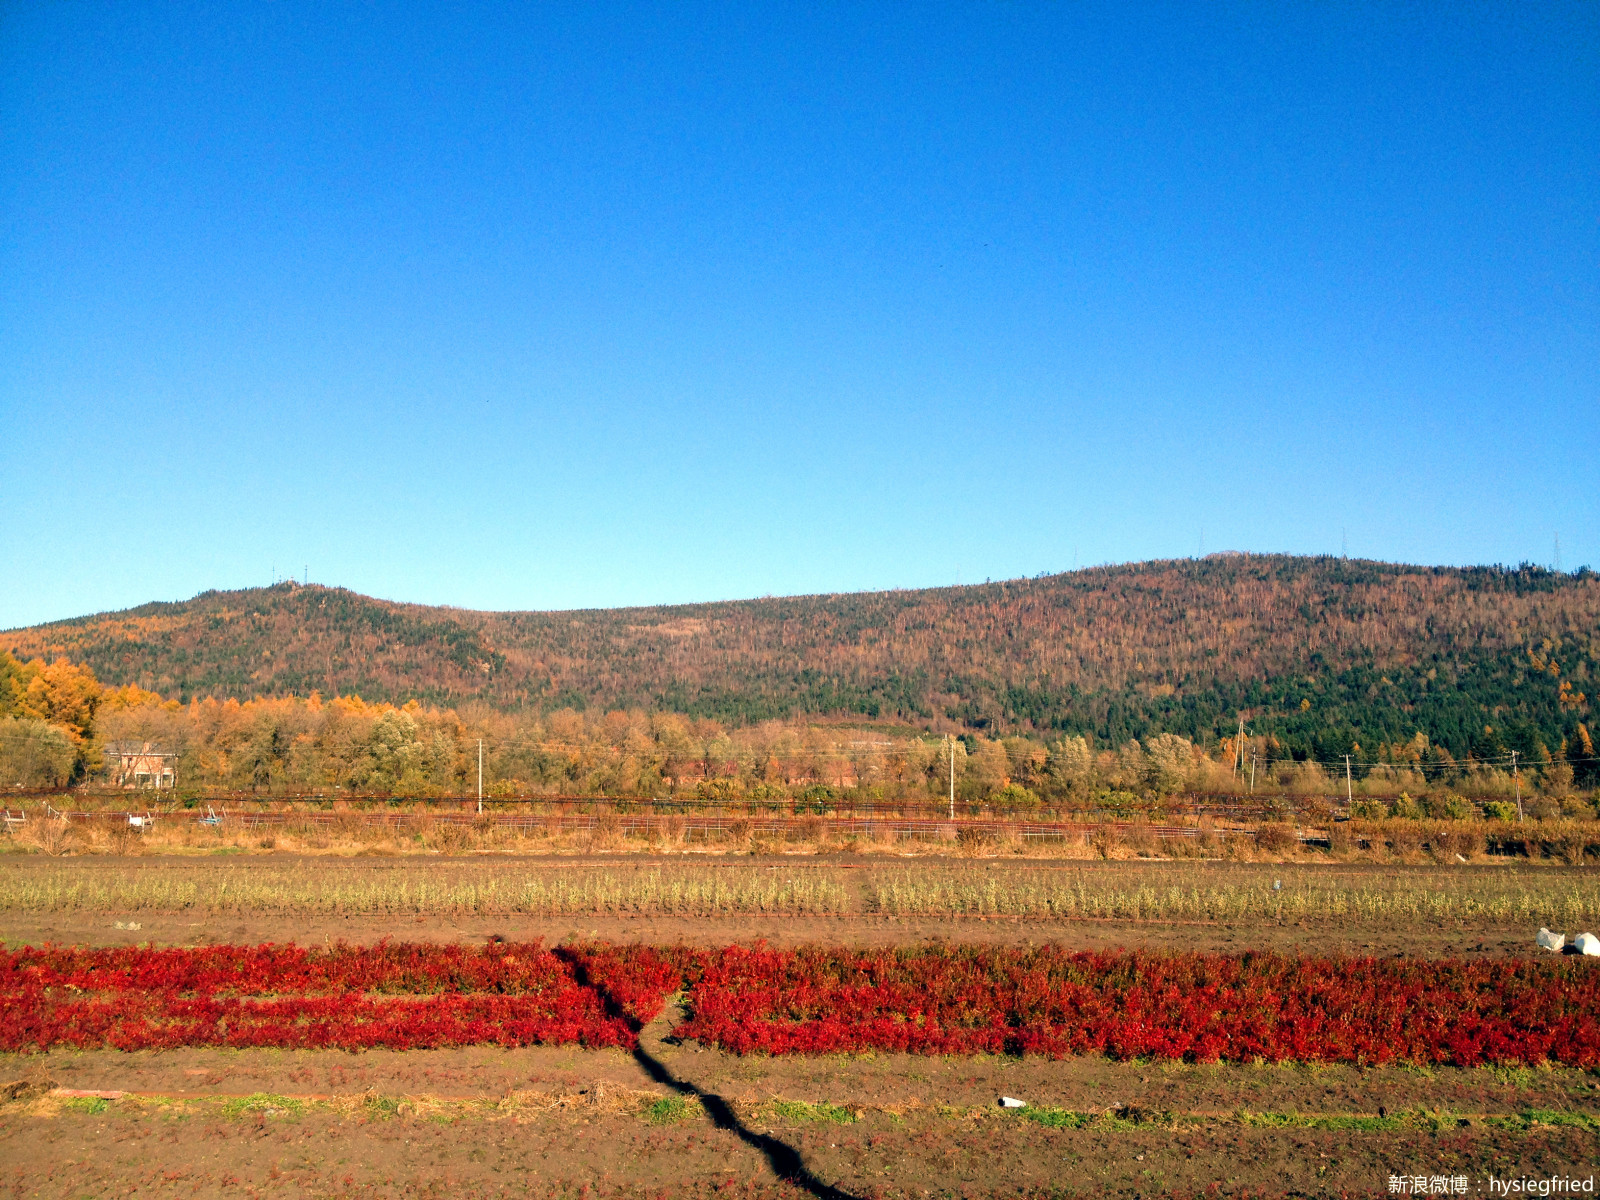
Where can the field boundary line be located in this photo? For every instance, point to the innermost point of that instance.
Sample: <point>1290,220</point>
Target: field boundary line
<point>1155,1117</point>
<point>870,826</point>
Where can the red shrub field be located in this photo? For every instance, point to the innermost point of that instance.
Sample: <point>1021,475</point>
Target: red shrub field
<point>938,1000</point>
<point>1203,1007</point>
<point>394,996</point>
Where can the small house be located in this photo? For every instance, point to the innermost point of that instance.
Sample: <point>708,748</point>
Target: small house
<point>140,765</point>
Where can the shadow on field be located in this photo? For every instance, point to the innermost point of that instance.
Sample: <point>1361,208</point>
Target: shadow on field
<point>783,1158</point>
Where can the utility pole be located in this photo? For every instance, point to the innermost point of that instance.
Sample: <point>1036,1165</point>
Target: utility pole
<point>480,775</point>
<point>1516,783</point>
<point>1348,797</point>
<point>1238,747</point>
<point>952,777</point>
<point>1252,772</point>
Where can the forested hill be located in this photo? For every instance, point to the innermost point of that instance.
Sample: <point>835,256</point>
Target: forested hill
<point>1322,652</point>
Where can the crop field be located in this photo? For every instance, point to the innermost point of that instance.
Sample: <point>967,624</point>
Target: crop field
<point>315,886</point>
<point>271,1024</point>
<point>938,1000</point>
<point>1155,891</point>
<point>1199,1007</point>
<point>400,997</point>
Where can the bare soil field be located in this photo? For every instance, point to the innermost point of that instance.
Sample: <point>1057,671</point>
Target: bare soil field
<point>680,1119</point>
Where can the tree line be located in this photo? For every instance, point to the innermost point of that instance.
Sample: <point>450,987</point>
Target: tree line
<point>56,719</point>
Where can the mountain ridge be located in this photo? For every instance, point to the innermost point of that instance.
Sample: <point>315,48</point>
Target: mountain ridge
<point>1322,649</point>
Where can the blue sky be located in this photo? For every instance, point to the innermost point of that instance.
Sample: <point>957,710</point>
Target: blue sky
<point>582,305</point>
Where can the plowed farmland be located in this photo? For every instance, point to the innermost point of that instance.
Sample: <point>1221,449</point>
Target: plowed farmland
<point>271,1025</point>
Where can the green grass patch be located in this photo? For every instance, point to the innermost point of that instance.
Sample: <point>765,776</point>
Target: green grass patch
<point>1356,1121</point>
<point>93,1105</point>
<point>669,1110</point>
<point>1058,1118</point>
<point>1513,1076</point>
<point>381,1107</point>
<point>1530,1117</point>
<point>263,1103</point>
<point>799,1112</point>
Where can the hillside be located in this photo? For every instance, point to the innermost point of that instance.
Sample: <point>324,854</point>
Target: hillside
<point>1323,652</point>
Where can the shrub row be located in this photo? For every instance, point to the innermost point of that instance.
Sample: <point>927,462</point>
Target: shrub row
<point>394,996</point>
<point>1200,1007</point>
<point>933,1000</point>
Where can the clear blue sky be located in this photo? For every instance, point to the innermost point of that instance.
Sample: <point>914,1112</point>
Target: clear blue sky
<point>586,304</point>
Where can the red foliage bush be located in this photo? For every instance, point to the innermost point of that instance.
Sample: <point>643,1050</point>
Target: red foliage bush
<point>395,996</point>
<point>948,1000</point>
<point>1200,1007</point>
